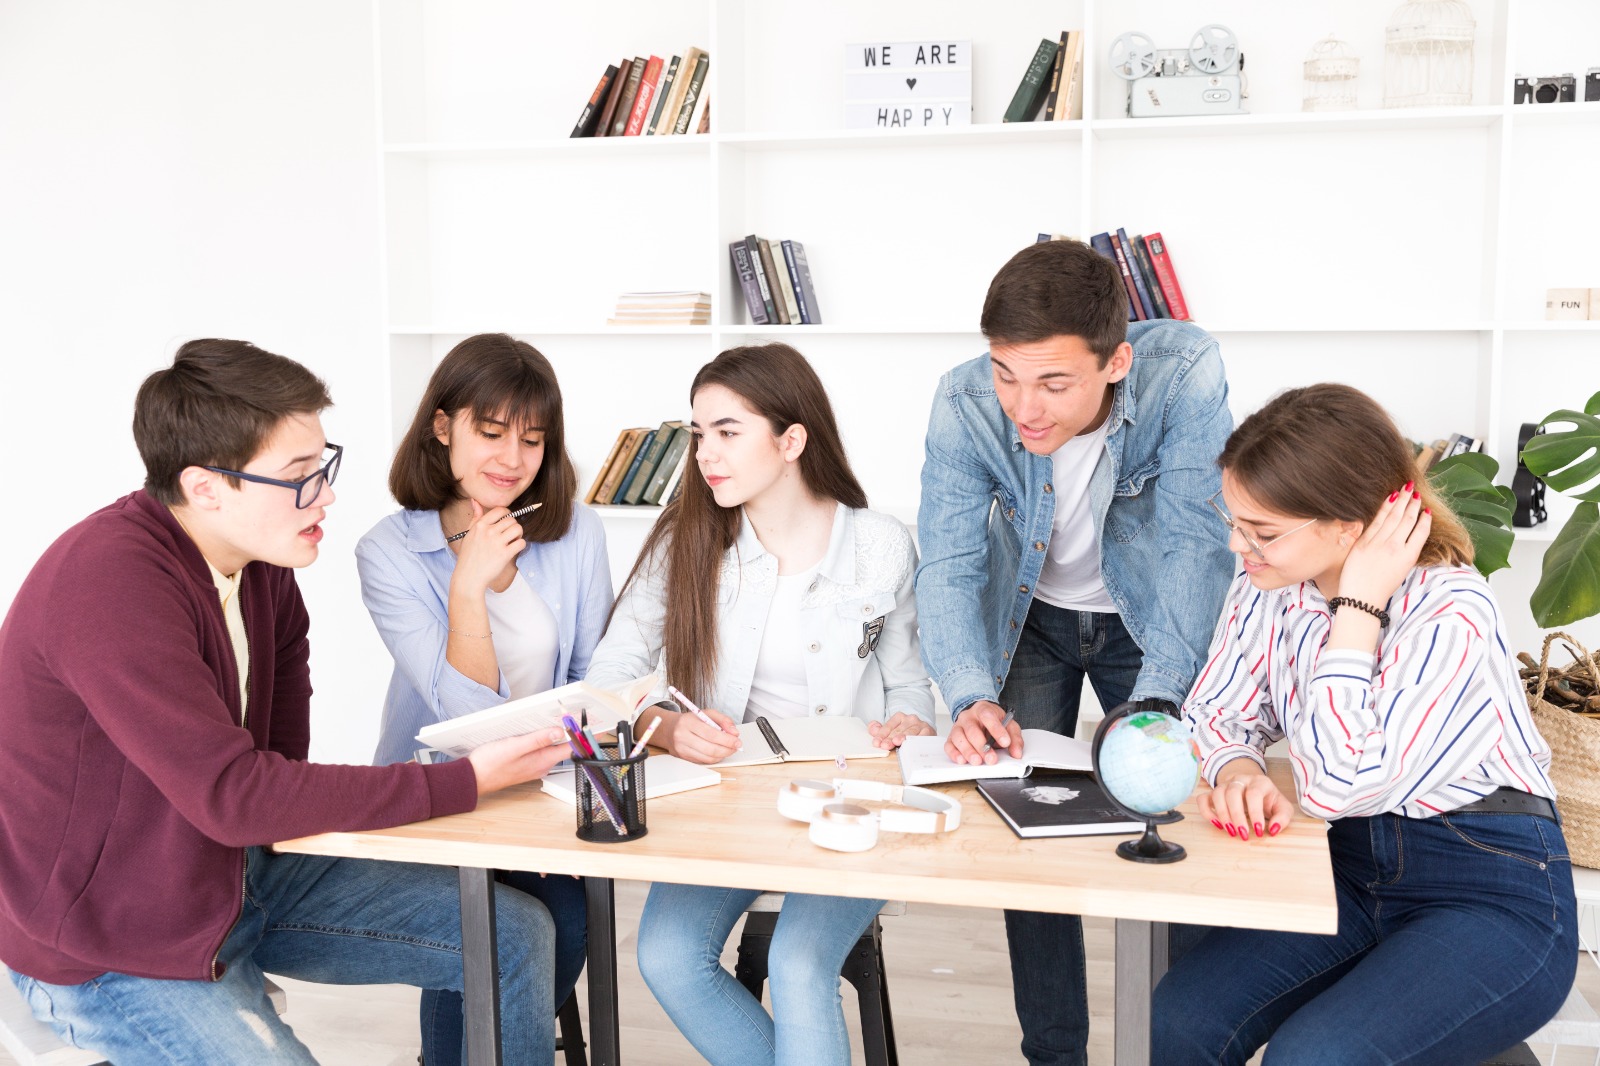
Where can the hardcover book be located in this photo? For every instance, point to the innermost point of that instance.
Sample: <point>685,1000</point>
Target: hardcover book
<point>680,89</point>
<point>769,269</point>
<point>619,465</point>
<point>671,461</point>
<point>923,760</point>
<point>1142,253</point>
<point>1054,94</point>
<point>1056,804</point>
<point>1070,105</point>
<point>663,93</point>
<point>644,98</point>
<point>753,243</point>
<point>791,303</point>
<point>1167,276</point>
<point>630,89</point>
<point>769,740</point>
<point>1035,83</point>
<point>639,453</point>
<point>744,272</point>
<point>805,294</point>
<point>1140,290</point>
<point>515,718</point>
<point>605,468</point>
<point>589,118</point>
<point>613,97</point>
<point>691,96</point>
<point>652,459</point>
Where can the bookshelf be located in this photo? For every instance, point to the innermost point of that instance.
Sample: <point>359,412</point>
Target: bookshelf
<point>1403,251</point>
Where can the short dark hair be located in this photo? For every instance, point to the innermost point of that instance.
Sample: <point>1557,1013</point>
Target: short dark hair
<point>216,405</point>
<point>1056,289</point>
<point>490,375</point>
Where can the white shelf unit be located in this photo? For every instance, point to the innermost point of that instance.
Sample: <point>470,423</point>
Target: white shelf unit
<point>1403,251</point>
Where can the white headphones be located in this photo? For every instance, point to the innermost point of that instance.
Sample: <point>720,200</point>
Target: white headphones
<point>841,826</point>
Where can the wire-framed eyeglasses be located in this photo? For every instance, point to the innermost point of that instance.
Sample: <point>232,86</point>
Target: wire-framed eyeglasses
<point>307,489</point>
<point>1258,548</point>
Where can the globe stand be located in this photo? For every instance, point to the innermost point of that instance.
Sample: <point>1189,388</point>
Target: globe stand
<point>1149,847</point>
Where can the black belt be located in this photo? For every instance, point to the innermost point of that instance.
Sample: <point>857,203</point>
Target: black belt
<point>1510,801</point>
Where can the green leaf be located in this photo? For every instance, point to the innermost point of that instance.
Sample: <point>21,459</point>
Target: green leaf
<point>1568,458</point>
<point>1569,586</point>
<point>1466,484</point>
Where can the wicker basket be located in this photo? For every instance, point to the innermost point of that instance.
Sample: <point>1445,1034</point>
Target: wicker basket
<point>1574,741</point>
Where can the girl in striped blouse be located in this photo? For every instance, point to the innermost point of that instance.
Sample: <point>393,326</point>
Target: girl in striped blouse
<point>1360,634</point>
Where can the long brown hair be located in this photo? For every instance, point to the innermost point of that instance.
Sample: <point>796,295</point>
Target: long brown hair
<point>490,375</point>
<point>1330,452</point>
<point>694,533</point>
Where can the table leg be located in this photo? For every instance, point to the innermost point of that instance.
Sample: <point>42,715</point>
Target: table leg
<point>1141,962</point>
<point>605,1044</point>
<point>478,960</point>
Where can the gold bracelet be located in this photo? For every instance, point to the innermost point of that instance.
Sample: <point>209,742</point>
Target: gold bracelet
<point>474,636</point>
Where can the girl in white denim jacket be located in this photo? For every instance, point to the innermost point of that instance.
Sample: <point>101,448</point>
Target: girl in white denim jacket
<point>787,598</point>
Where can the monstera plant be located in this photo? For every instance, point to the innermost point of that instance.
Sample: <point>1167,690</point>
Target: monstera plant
<point>1567,457</point>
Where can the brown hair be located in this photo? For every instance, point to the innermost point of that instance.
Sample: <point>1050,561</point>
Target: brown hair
<point>1330,452</point>
<point>216,405</point>
<point>1056,289</point>
<point>694,533</point>
<point>490,375</point>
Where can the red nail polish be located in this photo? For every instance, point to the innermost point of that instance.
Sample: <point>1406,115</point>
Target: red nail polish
<point>1416,495</point>
<point>1275,829</point>
<point>1409,486</point>
<point>1427,511</point>
<point>1259,831</point>
<point>1231,832</point>
<point>1216,823</point>
<point>1393,496</point>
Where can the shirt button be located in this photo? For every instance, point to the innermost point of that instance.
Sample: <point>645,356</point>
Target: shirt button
<point>1013,623</point>
<point>1022,588</point>
<point>1011,513</point>
<point>821,709</point>
<point>815,646</point>
<point>1049,487</point>
<point>1038,545</point>
<point>1005,655</point>
<point>866,608</point>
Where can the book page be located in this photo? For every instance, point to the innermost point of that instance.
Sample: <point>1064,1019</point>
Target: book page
<point>664,775</point>
<point>514,718</point>
<point>923,760</point>
<point>818,739</point>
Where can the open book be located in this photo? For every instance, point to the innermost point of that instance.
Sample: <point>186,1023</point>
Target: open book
<point>1056,804</point>
<point>542,710</point>
<point>769,740</point>
<point>663,775</point>
<point>923,761</point>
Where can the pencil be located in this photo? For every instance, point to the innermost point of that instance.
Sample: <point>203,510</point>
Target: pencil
<point>452,538</point>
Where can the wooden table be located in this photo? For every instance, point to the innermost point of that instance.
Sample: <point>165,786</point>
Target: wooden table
<point>733,835</point>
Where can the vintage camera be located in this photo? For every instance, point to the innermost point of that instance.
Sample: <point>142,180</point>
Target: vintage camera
<point>1207,78</point>
<point>1560,89</point>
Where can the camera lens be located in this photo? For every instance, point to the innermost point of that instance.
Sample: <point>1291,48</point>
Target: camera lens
<point>1545,93</point>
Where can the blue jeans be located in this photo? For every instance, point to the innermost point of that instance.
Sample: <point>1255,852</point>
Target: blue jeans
<point>562,896</point>
<point>1058,648</point>
<point>337,921</point>
<point>1457,938</point>
<point>681,936</point>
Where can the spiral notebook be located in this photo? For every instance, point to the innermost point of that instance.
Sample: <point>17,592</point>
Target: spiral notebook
<point>769,740</point>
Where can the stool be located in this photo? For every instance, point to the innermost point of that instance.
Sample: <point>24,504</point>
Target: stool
<point>863,968</point>
<point>569,1042</point>
<point>32,1043</point>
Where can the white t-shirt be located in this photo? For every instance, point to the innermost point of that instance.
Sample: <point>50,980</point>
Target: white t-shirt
<point>1071,574</point>
<point>525,637</point>
<point>778,686</point>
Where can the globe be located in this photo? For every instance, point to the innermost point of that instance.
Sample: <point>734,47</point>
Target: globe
<point>1146,761</point>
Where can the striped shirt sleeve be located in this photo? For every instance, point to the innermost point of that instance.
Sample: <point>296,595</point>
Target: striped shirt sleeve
<point>1230,706</point>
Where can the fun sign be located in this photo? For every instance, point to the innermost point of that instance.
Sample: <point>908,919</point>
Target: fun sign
<point>907,84</point>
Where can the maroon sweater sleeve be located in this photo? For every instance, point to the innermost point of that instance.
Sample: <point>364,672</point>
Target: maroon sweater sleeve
<point>139,644</point>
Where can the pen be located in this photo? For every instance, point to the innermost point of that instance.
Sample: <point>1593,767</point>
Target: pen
<point>645,738</point>
<point>1003,723</point>
<point>689,706</point>
<point>452,538</point>
<point>575,738</point>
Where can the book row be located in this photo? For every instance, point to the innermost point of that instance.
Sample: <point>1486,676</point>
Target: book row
<point>662,309</point>
<point>650,98</point>
<point>1147,272</point>
<point>1052,87</point>
<point>645,466</point>
<point>776,282</point>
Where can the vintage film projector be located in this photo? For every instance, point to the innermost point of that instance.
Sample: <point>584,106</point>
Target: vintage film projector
<point>1207,78</point>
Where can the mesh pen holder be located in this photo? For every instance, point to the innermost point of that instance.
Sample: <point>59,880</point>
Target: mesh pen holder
<point>610,794</point>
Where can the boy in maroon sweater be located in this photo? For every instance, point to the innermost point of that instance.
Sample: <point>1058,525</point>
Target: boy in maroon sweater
<point>154,697</point>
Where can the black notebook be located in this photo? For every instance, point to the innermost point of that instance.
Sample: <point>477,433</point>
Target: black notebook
<point>1052,803</point>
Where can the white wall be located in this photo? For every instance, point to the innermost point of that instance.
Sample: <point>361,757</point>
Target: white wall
<point>171,170</point>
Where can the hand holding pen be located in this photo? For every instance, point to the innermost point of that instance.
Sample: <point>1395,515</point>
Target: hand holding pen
<point>697,736</point>
<point>976,731</point>
<point>478,513</point>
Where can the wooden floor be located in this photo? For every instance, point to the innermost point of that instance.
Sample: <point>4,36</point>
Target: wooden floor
<point>949,978</point>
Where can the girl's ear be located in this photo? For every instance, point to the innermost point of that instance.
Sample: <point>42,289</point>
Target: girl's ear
<point>792,442</point>
<point>441,427</point>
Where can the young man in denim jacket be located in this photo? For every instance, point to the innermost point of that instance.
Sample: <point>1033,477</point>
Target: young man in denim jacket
<point>1065,534</point>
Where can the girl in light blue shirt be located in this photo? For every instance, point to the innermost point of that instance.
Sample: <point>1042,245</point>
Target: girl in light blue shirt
<point>477,606</point>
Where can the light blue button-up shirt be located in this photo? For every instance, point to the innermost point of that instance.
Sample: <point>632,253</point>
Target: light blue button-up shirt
<point>988,512</point>
<point>405,569</point>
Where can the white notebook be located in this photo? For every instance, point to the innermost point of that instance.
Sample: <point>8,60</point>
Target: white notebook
<point>663,775</point>
<point>768,740</point>
<point>923,761</point>
<point>605,708</point>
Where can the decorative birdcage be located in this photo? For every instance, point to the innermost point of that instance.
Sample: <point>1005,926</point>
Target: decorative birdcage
<point>1428,54</point>
<point>1331,71</point>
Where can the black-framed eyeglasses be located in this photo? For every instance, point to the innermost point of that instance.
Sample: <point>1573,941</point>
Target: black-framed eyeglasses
<point>307,489</point>
<point>1258,548</point>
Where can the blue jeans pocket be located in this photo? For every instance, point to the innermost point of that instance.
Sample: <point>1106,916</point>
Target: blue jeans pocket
<point>1526,838</point>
